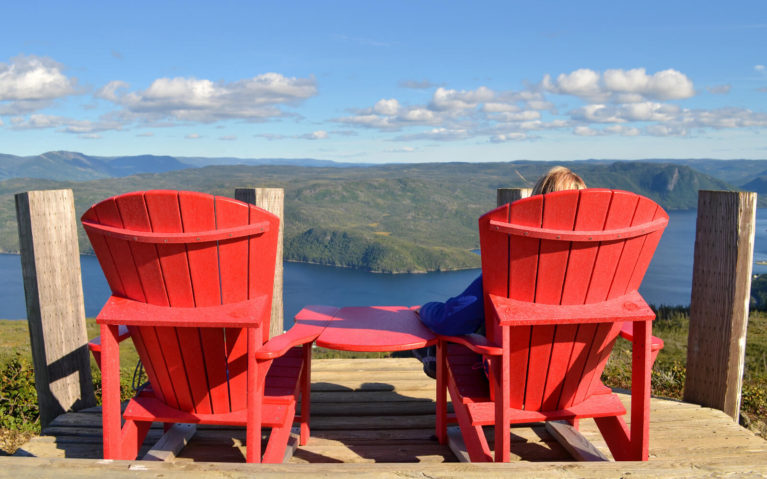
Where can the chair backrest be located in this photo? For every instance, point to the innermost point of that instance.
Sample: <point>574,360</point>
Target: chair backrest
<point>569,247</point>
<point>180,249</point>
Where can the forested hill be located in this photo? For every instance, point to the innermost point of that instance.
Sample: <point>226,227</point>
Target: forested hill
<point>389,218</point>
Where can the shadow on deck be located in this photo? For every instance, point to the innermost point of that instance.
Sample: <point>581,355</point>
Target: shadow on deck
<point>390,422</point>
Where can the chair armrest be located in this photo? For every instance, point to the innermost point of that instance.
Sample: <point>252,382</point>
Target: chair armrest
<point>297,335</point>
<point>242,314</point>
<point>94,345</point>
<point>629,307</point>
<point>475,342</point>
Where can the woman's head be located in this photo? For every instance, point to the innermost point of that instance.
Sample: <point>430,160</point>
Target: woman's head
<point>557,179</point>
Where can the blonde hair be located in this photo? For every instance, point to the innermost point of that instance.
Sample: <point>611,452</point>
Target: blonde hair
<point>557,179</point>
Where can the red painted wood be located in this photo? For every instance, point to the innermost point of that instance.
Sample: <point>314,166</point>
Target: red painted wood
<point>561,274</point>
<point>375,328</point>
<point>140,236</point>
<point>587,235</point>
<point>188,272</point>
<point>558,213</point>
<point>630,307</point>
<point>110,392</point>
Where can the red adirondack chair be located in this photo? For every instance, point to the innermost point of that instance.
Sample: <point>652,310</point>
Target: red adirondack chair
<point>560,278</point>
<point>192,276</point>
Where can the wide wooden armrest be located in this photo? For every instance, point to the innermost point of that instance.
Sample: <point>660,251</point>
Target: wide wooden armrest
<point>475,342</point>
<point>243,314</point>
<point>629,307</point>
<point>122,334</point>
<point>295,336</point>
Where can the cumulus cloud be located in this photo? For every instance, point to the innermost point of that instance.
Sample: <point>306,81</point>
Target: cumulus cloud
<point>622,86</point>
<point>31,78</point>
<point>201,100</point>
<point>193,136</point>
<point>760,68</point>
<point>30,83</point>
<point>452,100</point>
<point>646,111</point>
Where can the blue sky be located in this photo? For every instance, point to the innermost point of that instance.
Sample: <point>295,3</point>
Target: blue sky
<point>393,81</point>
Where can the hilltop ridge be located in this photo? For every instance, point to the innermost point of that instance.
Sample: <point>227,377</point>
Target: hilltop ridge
<point>383,218</point>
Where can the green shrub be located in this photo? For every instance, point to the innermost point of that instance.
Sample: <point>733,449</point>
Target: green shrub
<point>18,397</point>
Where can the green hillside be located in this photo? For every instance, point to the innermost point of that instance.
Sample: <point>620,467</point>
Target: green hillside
<point>390,218</point>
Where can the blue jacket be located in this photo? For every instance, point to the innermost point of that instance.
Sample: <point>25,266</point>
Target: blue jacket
<point>462,314</point>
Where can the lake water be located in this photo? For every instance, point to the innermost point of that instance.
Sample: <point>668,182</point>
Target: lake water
<point>668,280</point>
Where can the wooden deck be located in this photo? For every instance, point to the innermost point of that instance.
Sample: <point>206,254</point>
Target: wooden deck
<point>367,411</point>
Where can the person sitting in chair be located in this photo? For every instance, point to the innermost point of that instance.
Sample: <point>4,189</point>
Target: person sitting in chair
<point>465,313</point>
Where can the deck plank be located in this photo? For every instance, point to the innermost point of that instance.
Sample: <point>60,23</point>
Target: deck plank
<point>377,416</point>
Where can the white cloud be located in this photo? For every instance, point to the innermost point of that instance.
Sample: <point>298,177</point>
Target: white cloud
<point>193,136</point>
<point>585,131</point>
<point>438,134</point>
<point>760,68</point>
<point>228,138</point>
<point>452,100</point>
<point>647,111</point>
<point>31,78</point>
<point>504,137</point>
<point>582,83</point>
<point>665,130</point>
<point>621,86</point>
<point>201,100</point>
<point>315,135</point>
<point>386,107</point>
<point>90,136</point>
<point>146,134</point>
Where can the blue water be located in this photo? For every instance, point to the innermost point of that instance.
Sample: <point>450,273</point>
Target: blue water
<point>668,280</point>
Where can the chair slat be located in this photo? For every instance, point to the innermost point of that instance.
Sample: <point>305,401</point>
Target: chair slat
<point>559,212</point>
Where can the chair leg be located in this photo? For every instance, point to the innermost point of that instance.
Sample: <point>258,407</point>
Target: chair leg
<point>256,384</point>
<point>278,442</point>
<point>616,434</point>
<point>641,365</point>
<point>133,435</point>
<point>473,436</point>
<point>441,419</point>
<point>306,391</point>
<point>110,393</point>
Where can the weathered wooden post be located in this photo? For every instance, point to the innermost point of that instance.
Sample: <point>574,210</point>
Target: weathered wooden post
<point>273,201</point>
<point>510,195</point>
<point>721,285</point>
<point>50,264</point>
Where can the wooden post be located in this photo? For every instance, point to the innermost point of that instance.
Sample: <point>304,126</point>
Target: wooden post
<point>721,285</point>
<point>273,201</point>
<point>510,195</point>
<point>50,265</point>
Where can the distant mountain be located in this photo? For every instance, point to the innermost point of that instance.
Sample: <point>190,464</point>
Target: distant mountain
<point>758,184</point>
<point>72,166</point>
<point>204,161</point>
<point>385,218</point>
<point>735,172</point>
